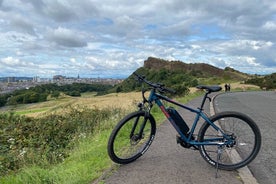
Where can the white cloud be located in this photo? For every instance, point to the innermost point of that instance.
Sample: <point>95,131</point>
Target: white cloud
<point>252,61</point>
<point>66,37</point>
<point>115,37</point>
<point>270,25</point>
<point>10,61</point>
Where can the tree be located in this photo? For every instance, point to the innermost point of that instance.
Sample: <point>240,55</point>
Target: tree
<point>73,93</point>
<point>55,94</point>
<point>3,100</point>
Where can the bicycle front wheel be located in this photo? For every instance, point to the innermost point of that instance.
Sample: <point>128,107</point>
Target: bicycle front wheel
<point>131,138</point>
<point>245,147</point>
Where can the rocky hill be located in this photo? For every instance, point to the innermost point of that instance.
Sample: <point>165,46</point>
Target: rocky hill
<point>179,75</point>
<point>196,69</point>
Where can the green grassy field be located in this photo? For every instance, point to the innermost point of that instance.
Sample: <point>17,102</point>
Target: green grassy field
<point>87,158</point>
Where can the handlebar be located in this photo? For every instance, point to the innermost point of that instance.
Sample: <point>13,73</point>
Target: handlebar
<point>160,87</point>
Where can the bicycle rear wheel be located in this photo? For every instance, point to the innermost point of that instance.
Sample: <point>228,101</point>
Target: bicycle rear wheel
<point>242,129</point>
<point>131,138</point>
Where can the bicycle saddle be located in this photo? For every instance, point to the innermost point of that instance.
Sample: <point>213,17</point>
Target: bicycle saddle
<point>209,88</point>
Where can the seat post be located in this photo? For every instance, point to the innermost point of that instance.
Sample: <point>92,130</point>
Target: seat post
<point>203,100</point>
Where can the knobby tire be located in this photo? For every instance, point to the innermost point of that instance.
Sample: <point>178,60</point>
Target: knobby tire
<point>125,145</point>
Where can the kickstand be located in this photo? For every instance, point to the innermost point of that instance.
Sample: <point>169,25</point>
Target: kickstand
<point>219,152</point>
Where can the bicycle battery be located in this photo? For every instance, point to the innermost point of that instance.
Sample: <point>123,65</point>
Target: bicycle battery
<point>178,120</point>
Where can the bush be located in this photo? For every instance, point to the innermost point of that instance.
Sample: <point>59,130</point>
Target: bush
<point>268,81</point>
<point>3,100</point>
<point>73,93</point>
<point>55,94</point>
<point>28,141</point>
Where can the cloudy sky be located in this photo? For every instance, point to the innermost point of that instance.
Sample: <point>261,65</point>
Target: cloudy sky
<point>112,38</point>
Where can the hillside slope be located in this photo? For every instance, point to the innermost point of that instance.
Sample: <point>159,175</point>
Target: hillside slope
<point>180,75</point>
<point>195,69</point>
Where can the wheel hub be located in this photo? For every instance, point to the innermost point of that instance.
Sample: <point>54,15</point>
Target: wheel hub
<point>233,141</point>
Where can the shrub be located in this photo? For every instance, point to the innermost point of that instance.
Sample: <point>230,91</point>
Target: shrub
<point>43,141</point>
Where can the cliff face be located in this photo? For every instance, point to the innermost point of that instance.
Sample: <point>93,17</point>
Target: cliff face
<point>203,69</point>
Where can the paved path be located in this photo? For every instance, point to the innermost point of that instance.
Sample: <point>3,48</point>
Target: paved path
<point>166,162</point>
<point>261,107</point>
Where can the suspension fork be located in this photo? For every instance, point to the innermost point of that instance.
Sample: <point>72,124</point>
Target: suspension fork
<point>134,127</point>
<point>140,134</point>
<point>146,109</point>
<point>146,116</point>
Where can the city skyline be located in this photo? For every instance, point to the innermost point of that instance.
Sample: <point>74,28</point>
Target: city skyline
<point>92,38</point>
<point>53,77</point>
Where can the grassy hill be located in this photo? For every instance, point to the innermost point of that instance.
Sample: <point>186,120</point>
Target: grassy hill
<point>180,76</point>
<point>267,82</point>
<point>200,70</point>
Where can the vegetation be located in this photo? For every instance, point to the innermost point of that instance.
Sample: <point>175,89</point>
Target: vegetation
<point>59,148</point>
<point>178,80</point>
<point>48,140</point>
<point>199,70</point>
<point>268,82</point>
<point>180,76</point>
<point>42,92</point>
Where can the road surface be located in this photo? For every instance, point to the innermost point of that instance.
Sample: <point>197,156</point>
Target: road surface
<point>261,107</point>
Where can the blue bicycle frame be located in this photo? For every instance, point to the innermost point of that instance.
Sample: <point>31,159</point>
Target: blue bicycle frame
<point>225,139</point>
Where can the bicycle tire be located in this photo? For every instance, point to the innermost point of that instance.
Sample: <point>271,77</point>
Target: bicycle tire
<point>247,140</point>
<point>121,136</point>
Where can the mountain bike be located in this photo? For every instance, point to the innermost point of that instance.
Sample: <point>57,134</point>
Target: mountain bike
<point>227,140</point>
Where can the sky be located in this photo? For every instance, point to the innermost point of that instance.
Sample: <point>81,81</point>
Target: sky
<point>113,38</point>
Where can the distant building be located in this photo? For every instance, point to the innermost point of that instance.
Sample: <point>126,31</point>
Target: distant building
<point>11,79</point>
<point>36,79</point>
<point>58,78</point>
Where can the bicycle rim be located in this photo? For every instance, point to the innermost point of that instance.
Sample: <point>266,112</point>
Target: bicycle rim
<point>245,148</point>
<point>126,143</point>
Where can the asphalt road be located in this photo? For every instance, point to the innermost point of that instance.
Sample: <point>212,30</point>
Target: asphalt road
<point>261,107</point>
<point>167,162</point>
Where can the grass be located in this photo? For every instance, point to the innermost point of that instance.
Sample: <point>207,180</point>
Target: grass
<point>87,100</point>
<point>87,162</point>
<point>88,159</point>
<point>31,111</point>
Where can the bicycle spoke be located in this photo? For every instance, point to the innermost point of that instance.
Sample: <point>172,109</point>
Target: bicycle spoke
<point>239,150</point>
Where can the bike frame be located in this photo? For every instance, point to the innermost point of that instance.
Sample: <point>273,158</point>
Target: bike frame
<point>224,140</point>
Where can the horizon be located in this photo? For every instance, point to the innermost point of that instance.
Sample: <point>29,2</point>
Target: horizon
<point>47,38</point>
<point>118,76</point>
<point>67,77</point>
